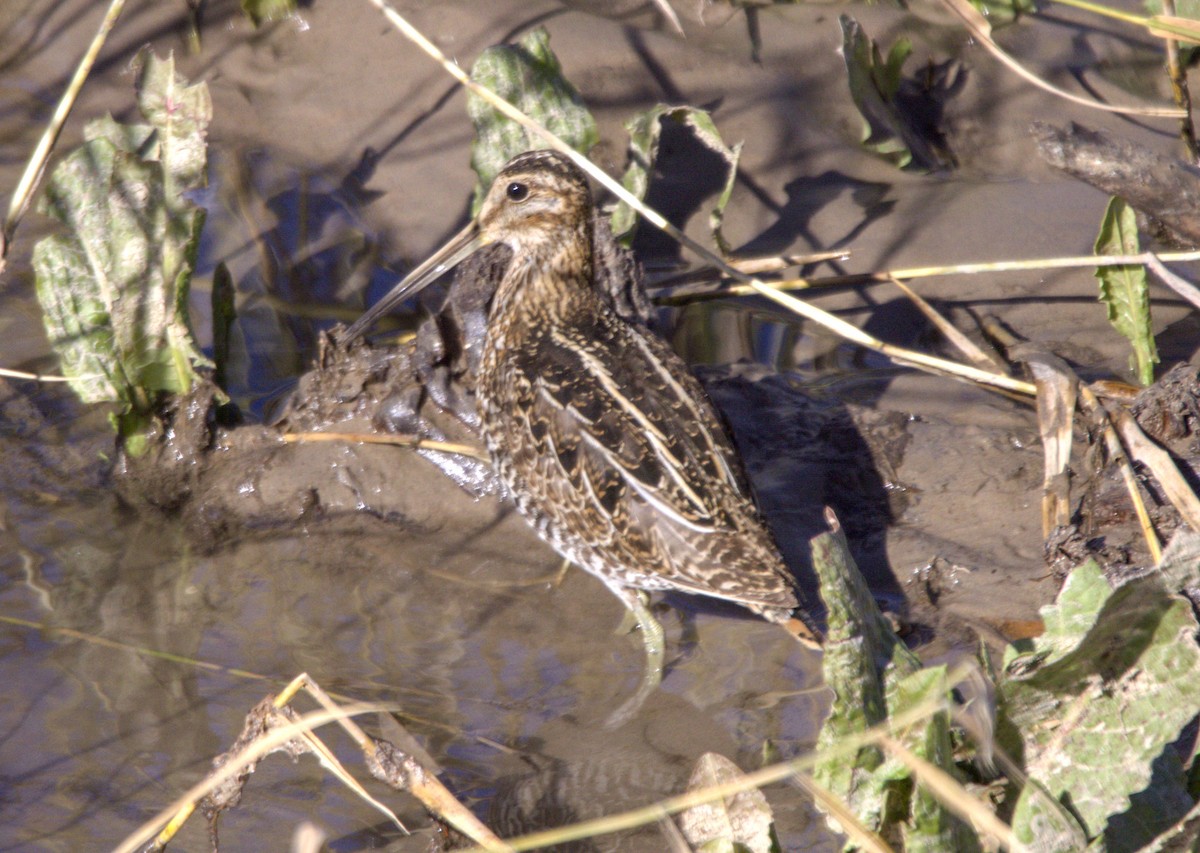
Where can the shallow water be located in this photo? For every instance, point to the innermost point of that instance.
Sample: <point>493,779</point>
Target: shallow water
<point>339,153</point>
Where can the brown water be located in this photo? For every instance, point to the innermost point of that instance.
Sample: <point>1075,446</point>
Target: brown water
<point>504,674</point>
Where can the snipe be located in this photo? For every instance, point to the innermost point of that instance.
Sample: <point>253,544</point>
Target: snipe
<point>607,444</point>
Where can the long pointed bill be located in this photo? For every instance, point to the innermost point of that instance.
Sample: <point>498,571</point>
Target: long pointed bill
<point>453,253</point>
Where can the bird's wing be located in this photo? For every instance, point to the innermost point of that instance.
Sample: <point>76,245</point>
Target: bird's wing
<point>620,445</point>
<point>625,404</point>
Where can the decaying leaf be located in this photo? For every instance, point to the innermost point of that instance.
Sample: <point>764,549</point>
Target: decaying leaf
<point>1057,387</point>
<point>645,131</point>
<point>1124,289</point>
<point>740,821</point>
<point>1095,704</point>
<point>527,75</point>
<point>114,287</point>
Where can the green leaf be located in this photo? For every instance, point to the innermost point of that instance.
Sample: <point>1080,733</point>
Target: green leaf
<point>529,77</point>
<point>1183,8</point>
<point>723,845</point>
<point>1096,701</point>
<point>114,287</point>
<point>741,822</point>
<point>929,826</point>
<point>1125,290</point>
<point>262,11</point>
<point>874,676</point>
<point>645,131</point>
<point>1000,13</point>
<point>873,85</point>
<point>224,314</point>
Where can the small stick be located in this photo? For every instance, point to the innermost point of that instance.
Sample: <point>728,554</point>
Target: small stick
<point>1112,444</point>
<point>397,440</point>
<point>1177,283</point>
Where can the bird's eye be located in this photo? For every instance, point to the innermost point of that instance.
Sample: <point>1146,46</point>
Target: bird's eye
<point>516,191</point>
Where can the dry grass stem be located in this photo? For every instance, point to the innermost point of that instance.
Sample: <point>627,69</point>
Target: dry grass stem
<point>664,6</point>
<point>776,263</point>
<point>689,292</point>
<point>323,753</point>
<point>960,341</point>
<point>274,725</point>
<point>675,841</point>
<point>1112,444</point>
<point>847,748</point>
<point>308,838</point>
<point>823,318</point>
<point>36,377</point>
<point>261,747</point>
<point>951,793</point>
<point>36,166</point>
<point>980,29</point>
<point>397,768</point>
<point>1174,27</point>
<point>1161,465</point>
<point>397,440</point>
<point>840,812</point>
<point>1164,26</point>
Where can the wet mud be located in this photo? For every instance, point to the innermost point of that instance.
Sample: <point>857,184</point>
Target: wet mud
<point>339,158</point>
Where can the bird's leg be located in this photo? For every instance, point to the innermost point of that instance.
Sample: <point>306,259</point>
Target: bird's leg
<point>653,638</point>
<point>629,623</point>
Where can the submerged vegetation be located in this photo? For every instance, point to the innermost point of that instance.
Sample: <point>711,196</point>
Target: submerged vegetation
<point>1075,740</point>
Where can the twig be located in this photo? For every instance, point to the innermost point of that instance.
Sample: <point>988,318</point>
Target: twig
<point>979,28</point>
<point>259,748</point>
<point>1179,87</point>
<point>1177,283</point>
<point>397,440</point>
